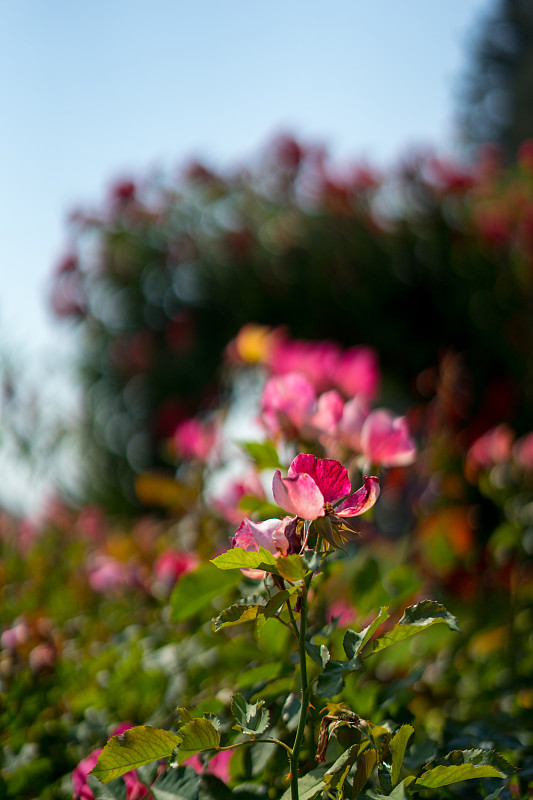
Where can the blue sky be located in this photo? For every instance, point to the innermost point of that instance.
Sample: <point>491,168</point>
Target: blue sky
<point>94,91</point>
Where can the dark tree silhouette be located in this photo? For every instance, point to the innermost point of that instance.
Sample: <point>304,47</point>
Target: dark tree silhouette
<point>497,95</point>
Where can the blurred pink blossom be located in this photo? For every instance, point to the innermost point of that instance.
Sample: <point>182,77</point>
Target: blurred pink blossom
<point>494,447</point>
<point>227,503</point>
<point>523,450</point>
<point>287,402</point>
<point>328,413</point>
<point>385,440</point>
<point>194,439</point>
<point>18,634</point>
<point>170,565</point>
<point>357,372</point>
<point>107,574</point>
<point>343,612</point>
<point>317,361</point>
<point>217,765</point>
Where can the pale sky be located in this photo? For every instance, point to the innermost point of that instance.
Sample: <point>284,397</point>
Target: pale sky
<point>95,91</point>
<point>91,91</point>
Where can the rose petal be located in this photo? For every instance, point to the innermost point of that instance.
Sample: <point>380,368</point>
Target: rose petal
<point>298,495</point>
<point>361,500</point>
<point>329,475</point>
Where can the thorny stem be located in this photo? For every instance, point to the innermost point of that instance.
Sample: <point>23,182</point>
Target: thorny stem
<point>305,692</point>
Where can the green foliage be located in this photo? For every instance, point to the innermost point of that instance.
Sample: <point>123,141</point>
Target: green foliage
<point>134,748</point>
<point>197,589</point>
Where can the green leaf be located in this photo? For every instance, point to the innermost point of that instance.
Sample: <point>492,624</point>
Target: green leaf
<point>444,776</point>
<point>115,791</point>
<point>397,794</point>
<point>354,642</point>
<point>276,601</point>
<point>415,619</point>
<point>134,748</point>
<point>337,774</point>
<point>477,756</point>
<point>264,454</point>
<point>365,765</point>
<point>197,589</point>
<point>212,788</point>
<point>397,746</point>
<point>237,614</point>
<point>330,681</point>
<point>292,568</point>
<point>309,787</point>
<point>251,718</point>
<point>319,653</point>
<point>197,735</point>
<point>261,674</point>
<point>237,558</point>
<point>176,784</point>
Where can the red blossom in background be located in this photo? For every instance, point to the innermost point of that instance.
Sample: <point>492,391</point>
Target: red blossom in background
<point>385,440</point>
<point>194,439</point>
<point>494,447</point>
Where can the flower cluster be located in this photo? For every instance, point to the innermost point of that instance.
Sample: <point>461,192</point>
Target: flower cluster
<point>314,489</point>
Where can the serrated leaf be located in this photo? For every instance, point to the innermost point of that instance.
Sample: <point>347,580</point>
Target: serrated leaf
<point>197,589</point>
<point>238,558</point>
<point>176,784</point>
<point>415,619</point>
<point>251,718</point>
<point>397,746</point>
<point>197,735</point>
<point>238,614</point>
<point>134,748</point>
<point>264,454</point>
<point>478,757</point>
<point>444,776</point>
<point>319,653</point>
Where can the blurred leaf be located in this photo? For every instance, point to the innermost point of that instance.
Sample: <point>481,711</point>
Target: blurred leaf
<point>133,748</point>
<point>197,735</point>
<point>180,783</point>
<point>264,454</point>
<point>197,589</point>
<point>115,791</point>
